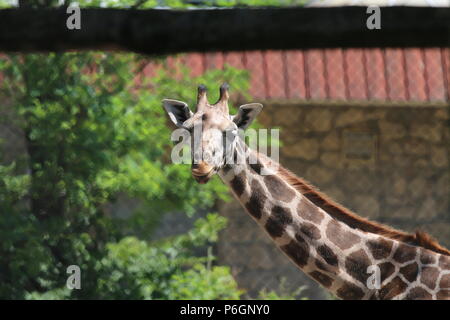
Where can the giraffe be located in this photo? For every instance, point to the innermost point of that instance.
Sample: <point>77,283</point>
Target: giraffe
<point>348,255</point>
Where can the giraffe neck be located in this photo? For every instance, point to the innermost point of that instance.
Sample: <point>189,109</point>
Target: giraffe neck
<point>345,261</point>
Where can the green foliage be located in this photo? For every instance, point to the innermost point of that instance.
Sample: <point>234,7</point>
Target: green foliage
<point>180,274</point>
<point>283,293</point>
<point>178,4</point>
<point>93,135</point>
<point>136,269</point>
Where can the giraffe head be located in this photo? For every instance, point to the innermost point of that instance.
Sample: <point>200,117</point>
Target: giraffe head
<point>213,131</point>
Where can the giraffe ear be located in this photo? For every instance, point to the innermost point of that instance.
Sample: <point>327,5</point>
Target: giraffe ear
<point>178,111</point>
<point>246,114</point>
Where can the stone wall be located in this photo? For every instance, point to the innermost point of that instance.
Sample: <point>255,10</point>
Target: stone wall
<point>389,164</point>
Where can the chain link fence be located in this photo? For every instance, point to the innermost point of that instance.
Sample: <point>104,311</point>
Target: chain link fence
<point>392,75</point>
<point>369,127</point>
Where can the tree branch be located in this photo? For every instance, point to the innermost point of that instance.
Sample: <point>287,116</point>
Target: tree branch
<point>170,31</point>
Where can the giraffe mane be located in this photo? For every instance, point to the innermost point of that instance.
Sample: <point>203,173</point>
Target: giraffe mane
<point>345,215</point>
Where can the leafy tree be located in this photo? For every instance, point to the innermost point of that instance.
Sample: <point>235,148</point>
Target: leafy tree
<point>91,135</point>
<point>137,269</point>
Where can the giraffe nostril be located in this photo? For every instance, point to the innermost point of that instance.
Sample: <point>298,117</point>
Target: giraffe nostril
<point>207,157</point>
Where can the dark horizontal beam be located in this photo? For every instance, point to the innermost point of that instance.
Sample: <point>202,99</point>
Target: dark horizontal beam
<point>170,31</point>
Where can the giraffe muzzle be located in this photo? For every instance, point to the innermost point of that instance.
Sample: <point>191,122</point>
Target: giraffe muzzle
<point>202,172</point>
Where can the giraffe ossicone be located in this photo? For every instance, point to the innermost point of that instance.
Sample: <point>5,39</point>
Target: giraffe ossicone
<point>348,255</point>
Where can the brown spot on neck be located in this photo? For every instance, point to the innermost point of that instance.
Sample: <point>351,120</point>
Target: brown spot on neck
<point>278,221</point>
<point>392,289</point>
<point>255,205</point>
<point>310,231</point>
<point>418,293</point>
<point>321,278</point>
<point>445,282</point>
<point>429,277</point>
<point>256,167</point>
<point>380,248</point>
<point>356,265</point>
<point>426,257</point>
<point>405,253</point>
<point>325,267</point>
<point>278,189</point>
<point>297,251</point>
<point>238,184</point>
<point>386,270</point>
<point>308,211</point>
<point>349,291</point>
<point>328,255</point>
<point>410,271</point>
<point>344,239</point>
<point>444,262</point>
<point>443,295</point>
